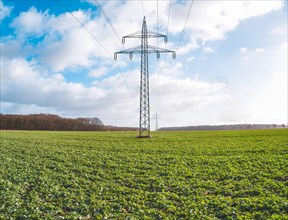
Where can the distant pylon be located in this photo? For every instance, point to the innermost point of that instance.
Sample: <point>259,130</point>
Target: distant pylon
<point>156,116</point>
<point>144,49</point>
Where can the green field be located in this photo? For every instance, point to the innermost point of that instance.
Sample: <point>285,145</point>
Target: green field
<point>174,175</point>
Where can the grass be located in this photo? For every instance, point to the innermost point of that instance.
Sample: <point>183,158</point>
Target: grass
<point>174,175</point>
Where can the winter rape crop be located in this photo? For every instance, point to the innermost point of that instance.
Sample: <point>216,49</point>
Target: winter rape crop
<point>174,175</point>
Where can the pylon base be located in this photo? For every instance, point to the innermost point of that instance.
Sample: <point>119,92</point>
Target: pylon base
<point>149,136</point>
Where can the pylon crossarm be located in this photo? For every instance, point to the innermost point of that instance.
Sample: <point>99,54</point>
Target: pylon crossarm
<point>150,34</point>
<point>137,34</point>
<point>153,49</point>
<point>136,49</point>
<point>150,49</point>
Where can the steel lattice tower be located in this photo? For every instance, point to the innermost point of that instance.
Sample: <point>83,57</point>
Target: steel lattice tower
<point>144,49</point>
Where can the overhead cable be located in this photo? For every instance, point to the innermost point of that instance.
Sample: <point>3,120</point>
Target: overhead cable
<point>66,9</point>
<point>168,18</point>
<point>113,29</point>
<point>185,24</point>
<point>107,18</point>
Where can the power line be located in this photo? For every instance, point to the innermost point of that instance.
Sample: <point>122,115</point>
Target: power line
<point>182,32</point>
<point>185,24</point>
<point>165,58</point>
<point>107,19</point>
<point>157,17</point>
<point>168,18</point>
<point>113,29</point>
<point>158,74</point>
<point>66,9</point>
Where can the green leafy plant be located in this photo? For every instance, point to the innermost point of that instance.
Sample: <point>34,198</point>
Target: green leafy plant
<point>174,175</point>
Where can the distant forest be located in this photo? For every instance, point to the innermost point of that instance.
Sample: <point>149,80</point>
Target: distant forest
<point>224,127</point>
<point>54,123</point>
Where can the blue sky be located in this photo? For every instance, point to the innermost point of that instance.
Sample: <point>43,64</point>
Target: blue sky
<point>231,64</point>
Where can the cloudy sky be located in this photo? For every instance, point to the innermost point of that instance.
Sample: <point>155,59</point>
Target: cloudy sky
<point>231,65</point>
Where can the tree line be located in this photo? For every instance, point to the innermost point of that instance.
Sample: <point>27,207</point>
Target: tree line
<point>53,123</point>
<point>224,127</point>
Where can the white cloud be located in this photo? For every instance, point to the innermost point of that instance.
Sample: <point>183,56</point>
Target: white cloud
<point>34,22</point>
<point>243,50</point>
<point>42,91</point>
<point>190,59</point>
<point>115,97</point>
<point>260,91</point>
<point>69,52</point>
<point>101,71</point>
<point>13,48</point>
<point>36,86</point>
<point>63,23</point>
<point>187,48</point>
<point>279,31</point>
<point>284,45</point>
<point>63,47</point>
<point>224,16</point>
<point>4,11</point>
<point>208,50</point>
<point>16,108</point>
<point>259,50</point>
<point>196,77</point>
<point>179,98</point>
<point>31,22</point>
<point>249,54</point>
<point>187,100</point>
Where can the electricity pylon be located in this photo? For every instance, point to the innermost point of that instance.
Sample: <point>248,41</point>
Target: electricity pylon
<point>144,49</point>
<point>156,116</point>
